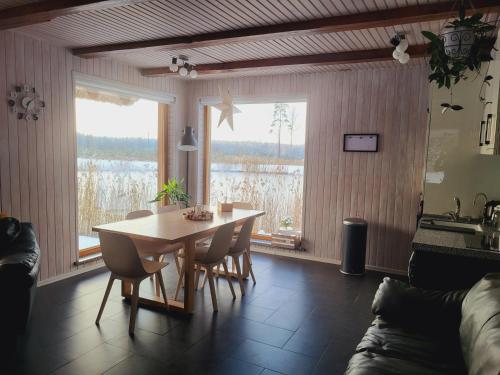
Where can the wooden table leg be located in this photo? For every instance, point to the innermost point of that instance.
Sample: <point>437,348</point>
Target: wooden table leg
<point>246,267</point>
<point>189,274</point>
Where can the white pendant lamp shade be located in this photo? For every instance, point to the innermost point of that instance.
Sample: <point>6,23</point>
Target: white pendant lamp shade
<point>402,46</point>
<point>188,141</point>
<point>193,73</point>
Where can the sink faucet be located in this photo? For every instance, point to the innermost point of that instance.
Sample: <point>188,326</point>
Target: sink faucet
<point>455,215</point>
<point>479,195</point>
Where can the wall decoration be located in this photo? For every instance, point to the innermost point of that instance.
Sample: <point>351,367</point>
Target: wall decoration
<point>227,110</point>
<point>361,142</point>
<point>25,102</point>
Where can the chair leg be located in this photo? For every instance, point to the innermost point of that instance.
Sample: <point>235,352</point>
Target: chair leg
<point>157,258</point>
<point>179,283</point>
<point>210,276</point>
<point>246,253</point>
<point>197,277</point>
<point>177,263</point>
<point>159,276</point>
<point>238,272</point>
<point>133,310</point>
<point>105,298</point>
<point>228,277</point>
<point>204,279</point>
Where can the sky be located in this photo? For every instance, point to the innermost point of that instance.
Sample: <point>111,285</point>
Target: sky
<point>139,120</point>
<point>253,124</point>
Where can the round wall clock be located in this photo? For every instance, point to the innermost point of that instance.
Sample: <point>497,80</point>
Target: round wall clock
<point>25,102</point>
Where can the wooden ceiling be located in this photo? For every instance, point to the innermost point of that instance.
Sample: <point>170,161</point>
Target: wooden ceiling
<point>202,31</point>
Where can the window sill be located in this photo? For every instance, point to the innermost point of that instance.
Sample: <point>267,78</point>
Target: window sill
<point>88,259</point>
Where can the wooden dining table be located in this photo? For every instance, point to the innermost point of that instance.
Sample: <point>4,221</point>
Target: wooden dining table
<point>173,227</point>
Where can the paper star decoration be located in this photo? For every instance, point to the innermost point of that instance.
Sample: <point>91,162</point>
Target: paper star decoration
<point>227,110</point>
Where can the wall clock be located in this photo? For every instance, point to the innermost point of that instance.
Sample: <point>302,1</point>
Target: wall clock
<point>25,102</point>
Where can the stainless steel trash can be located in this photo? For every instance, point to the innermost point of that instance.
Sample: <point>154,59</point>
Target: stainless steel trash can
<point>354,246</point>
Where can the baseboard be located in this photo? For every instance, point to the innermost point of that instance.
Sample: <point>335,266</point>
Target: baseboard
<point>303,255</point>
<point>69,274</point>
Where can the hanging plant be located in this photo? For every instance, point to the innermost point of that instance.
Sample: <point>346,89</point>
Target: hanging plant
<point>463,46</point>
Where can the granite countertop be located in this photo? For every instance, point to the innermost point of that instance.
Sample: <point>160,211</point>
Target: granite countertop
<point>453,243</point>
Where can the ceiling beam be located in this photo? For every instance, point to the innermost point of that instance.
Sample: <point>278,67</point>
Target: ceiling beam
<point>44,11</point>
<point>337,58</point>
<point>380,18</point>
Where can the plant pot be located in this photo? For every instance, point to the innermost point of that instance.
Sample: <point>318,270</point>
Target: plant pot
<point>458,42</point>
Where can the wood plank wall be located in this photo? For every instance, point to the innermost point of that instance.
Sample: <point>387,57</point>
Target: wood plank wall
<point>383,187</point>
<point>38,160</point>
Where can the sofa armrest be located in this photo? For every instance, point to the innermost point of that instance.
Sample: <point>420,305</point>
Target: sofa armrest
<point>430,310</point>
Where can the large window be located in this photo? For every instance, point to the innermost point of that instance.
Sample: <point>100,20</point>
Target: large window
<point>261,161</point>
<point>117,151</point>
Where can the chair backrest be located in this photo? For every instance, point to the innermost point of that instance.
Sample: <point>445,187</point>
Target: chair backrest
<point>243,205</point>
<point>138,214</point>
<point>167,208</point>
<point>120,255</point>
<point>219,247</point>
<point>243,240</point>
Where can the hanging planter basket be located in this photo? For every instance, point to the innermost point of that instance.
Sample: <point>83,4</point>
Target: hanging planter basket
<point>458,42</point>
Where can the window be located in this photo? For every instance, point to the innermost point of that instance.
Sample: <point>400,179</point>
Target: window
<point>261,161</point>
<point>117,158</point>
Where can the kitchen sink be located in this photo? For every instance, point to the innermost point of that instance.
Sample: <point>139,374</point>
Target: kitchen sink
<point>452,226</point>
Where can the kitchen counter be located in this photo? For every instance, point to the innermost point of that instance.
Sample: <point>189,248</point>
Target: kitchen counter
<point>453,243</point>
<point>443,260</point>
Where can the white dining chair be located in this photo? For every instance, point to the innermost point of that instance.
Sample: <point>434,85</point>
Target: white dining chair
<point>241,246</point>
<point>122,259</point>
<point>157,248</point>
<point>210,256</point>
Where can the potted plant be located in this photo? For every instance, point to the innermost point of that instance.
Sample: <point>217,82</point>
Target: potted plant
<point>286,223</point>
<point>174,191</point>
<point>464,45</point>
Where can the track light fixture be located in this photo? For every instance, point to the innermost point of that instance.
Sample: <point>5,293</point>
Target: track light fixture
<point>180,64</point>
<point>401,45</point>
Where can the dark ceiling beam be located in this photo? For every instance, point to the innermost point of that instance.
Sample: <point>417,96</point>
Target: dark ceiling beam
<point>380,18</point>
<point>44,11</point>
<point>337,58</point>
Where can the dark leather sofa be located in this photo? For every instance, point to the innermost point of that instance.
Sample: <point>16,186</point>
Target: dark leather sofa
<point>19,267</point>
<point>424,332</point>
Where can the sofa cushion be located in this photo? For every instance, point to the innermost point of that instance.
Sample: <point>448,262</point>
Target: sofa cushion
<point>10,228</point>
<point>480,327</point>
<point>423,310</point>
<point>406,351</point>
<point>19,261</point>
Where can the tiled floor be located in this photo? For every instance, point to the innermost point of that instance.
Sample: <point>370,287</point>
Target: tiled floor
<point>301,317</point>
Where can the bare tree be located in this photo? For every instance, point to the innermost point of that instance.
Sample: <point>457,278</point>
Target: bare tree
<point>280,120</point>
<point>292,123</point>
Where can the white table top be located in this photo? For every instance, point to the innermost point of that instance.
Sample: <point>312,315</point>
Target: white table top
<point>173,226</point>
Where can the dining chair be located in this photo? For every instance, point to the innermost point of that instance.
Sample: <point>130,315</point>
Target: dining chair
<point>167,208</point>
<point>157,248</point>
<point>209,256</point>
<point>122,259</point>
<point>241,246</point>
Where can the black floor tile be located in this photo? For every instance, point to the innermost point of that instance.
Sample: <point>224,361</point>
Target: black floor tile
<point>300,317</point>
<point>274,358</point>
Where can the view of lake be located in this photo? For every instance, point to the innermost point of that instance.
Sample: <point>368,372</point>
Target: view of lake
<point>109,189</point>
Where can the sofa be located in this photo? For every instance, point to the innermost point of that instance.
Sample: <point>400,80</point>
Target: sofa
<point>418,331</point>
<point>19,268</point>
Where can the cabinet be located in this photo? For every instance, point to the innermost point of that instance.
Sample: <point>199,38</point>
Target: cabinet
<point>489,132</point>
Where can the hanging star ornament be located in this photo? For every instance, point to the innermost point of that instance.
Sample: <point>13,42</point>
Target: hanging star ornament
<point>227,110</point>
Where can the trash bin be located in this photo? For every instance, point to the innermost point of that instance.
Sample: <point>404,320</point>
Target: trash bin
<point>354,246</point>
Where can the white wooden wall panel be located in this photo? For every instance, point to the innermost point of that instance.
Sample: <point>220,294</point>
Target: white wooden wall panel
<point>381,187</point>
<point>38,159</point>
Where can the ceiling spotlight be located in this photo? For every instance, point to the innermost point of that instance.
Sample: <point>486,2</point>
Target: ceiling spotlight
<point>173,66</point>
<point>184,70</point>
<point>400,43</point>
<point>193,73</point>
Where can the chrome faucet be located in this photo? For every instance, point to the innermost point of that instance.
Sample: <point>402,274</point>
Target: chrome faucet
<point>478,195</point>
<point>485,197</point>
<point>455,215</point>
